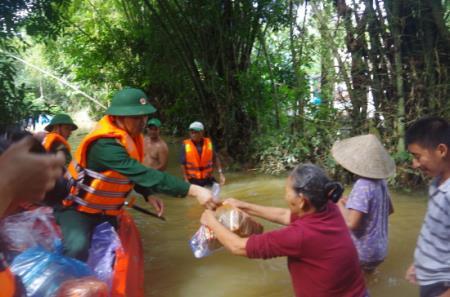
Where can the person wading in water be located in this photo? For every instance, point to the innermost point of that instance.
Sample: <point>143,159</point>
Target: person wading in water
<point>198,158</point>
<point>156,151</point>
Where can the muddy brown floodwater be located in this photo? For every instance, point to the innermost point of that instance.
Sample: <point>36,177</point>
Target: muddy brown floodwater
<point>172,271</point>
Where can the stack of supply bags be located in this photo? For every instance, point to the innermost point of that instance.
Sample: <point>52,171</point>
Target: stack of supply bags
<point>32,242</point>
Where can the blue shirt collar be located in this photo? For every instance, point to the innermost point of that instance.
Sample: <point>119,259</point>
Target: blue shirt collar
<point>444,187</point>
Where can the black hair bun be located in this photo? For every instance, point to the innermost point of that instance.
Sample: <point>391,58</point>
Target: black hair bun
<point>334,191</point>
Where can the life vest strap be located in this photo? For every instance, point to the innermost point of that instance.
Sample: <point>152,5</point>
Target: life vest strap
<point>113,180</point>
<point>83,202</point>
<point>199,168</point>
<point>100,192</point>
<point>94,174</point>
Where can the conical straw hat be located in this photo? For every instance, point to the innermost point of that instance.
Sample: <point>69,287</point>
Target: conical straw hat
<point>364,156</point>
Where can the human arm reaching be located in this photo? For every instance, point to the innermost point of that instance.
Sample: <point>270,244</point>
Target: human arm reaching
<point>203,196</point>
<point>232,242</point>
<point>274,214</point>
<point>148,181</point>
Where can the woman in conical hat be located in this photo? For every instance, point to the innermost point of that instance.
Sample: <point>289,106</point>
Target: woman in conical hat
<point>369,205</point>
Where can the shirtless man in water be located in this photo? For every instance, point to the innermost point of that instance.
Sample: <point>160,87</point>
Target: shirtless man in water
<point>156,150</point>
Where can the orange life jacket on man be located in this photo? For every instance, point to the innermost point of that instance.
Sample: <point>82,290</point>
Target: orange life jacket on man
<point>102,192</point>
<point>53,137</point>
<point>198,167</point>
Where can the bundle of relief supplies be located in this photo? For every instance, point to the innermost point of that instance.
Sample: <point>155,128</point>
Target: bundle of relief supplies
<point>203,243</point>
<point>27,229</point>
<point>105,241</point>
<point>42,271</point>
<point>32,242</point>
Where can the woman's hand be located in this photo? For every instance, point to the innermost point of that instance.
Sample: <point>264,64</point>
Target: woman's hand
<point>235,203</point>
<point>230,241</point>
<point>207,217</point>
<point>157,205</point>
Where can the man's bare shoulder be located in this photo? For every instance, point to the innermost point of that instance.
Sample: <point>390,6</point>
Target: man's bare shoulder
<point>164,144</point>
<point>162,147</point>
<point>159,144</point>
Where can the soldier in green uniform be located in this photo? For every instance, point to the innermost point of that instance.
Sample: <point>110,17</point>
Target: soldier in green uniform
<point>107,160</point>
<point>60,128</point>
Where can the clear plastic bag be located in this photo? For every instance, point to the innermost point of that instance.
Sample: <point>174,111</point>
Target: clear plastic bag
<point>104,243</point>
<point>238,221</point>
<point>203,243</point>
<point>83,287</point>
<point>27,229</point>
<point>42,272</point>
<point>215,189</point>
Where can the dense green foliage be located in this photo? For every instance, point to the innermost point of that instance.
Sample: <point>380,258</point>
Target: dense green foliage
<point>275,82</point>
<point>40,19</point>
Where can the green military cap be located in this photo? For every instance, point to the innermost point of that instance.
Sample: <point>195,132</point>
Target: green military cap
<point>130,102</point>
<point>61,119</point>
<point>154,122</point>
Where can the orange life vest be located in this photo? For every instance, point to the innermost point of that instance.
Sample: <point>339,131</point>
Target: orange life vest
<point>102,192</point>
<point>8,283</point>
<point>198,167</point>
<point>53,137</point>
<point>7,280</point>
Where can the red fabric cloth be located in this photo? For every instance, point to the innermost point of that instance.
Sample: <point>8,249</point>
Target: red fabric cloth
<point>322,259</point>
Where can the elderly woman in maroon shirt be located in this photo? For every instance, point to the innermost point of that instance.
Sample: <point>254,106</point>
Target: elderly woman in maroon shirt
<point>322,259</point>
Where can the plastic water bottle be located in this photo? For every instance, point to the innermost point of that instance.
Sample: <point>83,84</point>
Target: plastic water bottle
<point>215,189</point>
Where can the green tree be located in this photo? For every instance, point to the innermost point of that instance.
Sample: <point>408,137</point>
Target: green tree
<point>38,18</point>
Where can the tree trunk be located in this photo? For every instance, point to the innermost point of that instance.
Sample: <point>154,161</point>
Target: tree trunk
<point>272,81</point>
